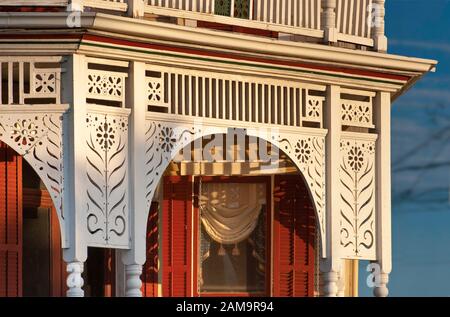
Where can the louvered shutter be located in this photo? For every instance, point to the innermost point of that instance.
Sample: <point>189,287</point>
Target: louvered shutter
<point>177,221</point>
<point>10,222</point>
<point>294,238</point>
<point>150,270</point>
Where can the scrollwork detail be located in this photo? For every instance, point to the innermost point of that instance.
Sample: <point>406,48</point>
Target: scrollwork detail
<point>357,192</point>
<point>107,179</point>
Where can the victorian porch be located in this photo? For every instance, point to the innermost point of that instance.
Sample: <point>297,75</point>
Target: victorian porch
<point>204,141</point>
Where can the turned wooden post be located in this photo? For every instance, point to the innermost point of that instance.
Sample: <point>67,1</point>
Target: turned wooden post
<point>379,38</point>
<point>329,20</point>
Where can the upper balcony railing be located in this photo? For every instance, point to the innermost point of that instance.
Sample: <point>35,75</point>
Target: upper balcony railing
<point>359,22</point>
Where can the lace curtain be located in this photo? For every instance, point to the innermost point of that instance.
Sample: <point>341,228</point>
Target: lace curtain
<point>230,211</point>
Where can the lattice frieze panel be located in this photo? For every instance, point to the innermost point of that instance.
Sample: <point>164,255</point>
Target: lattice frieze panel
<point>237,98</point>
<point>357,191</point>
<point>107,205</point>
<point>156,92</point>
<point>314,109</point>
<point>106,86</point>
<point>357,110</point>
<point>30,80</point>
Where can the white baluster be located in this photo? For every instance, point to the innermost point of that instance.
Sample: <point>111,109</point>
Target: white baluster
<point>133,280</point>
<point>330,284</point>
<point>75,5</point>
<point>74,280</point>
<point>380,40</point>
<point>136,8</point>
<point>381,290</point>
<point>329,20</point>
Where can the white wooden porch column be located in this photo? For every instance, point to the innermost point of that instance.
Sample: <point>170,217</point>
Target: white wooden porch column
<point>331,265</point>
<point>383,157</point>
<point>134,259</point>
<point>74,156</point>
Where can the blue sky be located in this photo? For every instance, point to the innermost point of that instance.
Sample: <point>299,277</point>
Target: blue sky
<point>420,154</point>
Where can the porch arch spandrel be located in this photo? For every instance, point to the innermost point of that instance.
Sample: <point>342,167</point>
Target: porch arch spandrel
<point>166,136</point>
<point>35,132</point>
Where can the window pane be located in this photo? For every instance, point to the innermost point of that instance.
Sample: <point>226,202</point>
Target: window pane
<point>241,9</point>
<point>36,252</point>
<point>236,268</point>
<point>222,7</point>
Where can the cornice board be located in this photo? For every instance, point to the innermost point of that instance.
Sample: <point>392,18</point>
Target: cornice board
<point>313,62</point>
<point>217,39</point>
<point>253,71</point>
<point>44,36</point>
<point>350,76</point>
<point>189,53</point>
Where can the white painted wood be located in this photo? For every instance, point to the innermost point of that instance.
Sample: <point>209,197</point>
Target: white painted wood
<point>352,19</point>
<point>383,163</point>
<point>329,20</point>
<point>138,157</point>
<point>357,113</point>
<point>164,141</point>
<point>74,280</point>
<point>35,132</point>
<point>107,174</point>
<point>114,5</point>
<point>133,281</point>
<point>74,200</point>
<point>380,39</point>
<point>136,8</point>
<point>43,82</point>
<point>331,265</point>
<point>268,16</point>
<point>357,191</point>
<point>106,85</point>
<point>345,20</point>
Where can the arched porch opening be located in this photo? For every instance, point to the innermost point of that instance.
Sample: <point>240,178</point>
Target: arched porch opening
<point>184,258</point>
<point>31,254</point>
<point>30,240</point>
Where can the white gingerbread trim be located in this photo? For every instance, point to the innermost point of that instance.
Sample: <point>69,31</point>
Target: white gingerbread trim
<point>358,196</point>
<point>107,192</point>
<point>166,135</point>
<point>35,132</point>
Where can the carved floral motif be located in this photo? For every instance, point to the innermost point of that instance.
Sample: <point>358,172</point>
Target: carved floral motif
<point>107,179</point>
<point>357,192</point>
